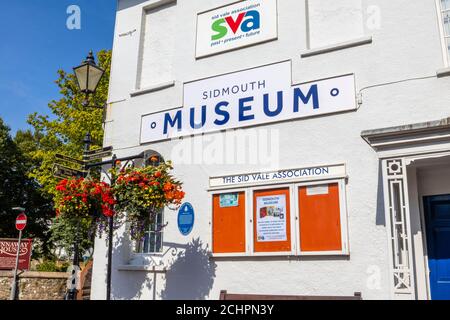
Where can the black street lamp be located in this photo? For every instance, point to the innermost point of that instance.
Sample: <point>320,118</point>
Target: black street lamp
<point>88,76</point>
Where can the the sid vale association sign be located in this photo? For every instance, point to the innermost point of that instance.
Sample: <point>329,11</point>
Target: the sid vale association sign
<point>235,26</point>
<point>248,98</point>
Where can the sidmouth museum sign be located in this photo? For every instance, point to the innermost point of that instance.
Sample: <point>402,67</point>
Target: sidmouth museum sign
<point>235,26</point>
<point>247,98</point>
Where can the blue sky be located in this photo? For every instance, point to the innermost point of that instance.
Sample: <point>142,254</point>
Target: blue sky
<point>35,43</point>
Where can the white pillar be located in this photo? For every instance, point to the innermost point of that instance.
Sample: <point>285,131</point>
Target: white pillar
<point>396,202</point>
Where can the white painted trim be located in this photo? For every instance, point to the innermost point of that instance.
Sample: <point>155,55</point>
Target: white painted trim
<point>156,87</point>
<point>287,180</point>
<point>337,46</point>
<point>445,55</point>
<point>249,221</point>
<point>428,155</point>
<point>398,153</point>
<point>344,218</point>
<point>157,3</point>
<point>229,255</point>
<point>297,218</point>
<point>387,180</point>
<point>422,274</point>
<point>324,254</point>
<point>410,141</point>
<point>145,268</point>
<point>425,245</point>
<point>444,72</point>
<point>388,227</point>
<point>268,184</point>
<point>409,231</point>
<point>418,236</point>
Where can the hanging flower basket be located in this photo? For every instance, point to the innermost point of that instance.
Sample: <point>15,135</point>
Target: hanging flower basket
<point>136,197</point>
<point>82,198</point>
<point>142,192</point>
<point>83,207</point>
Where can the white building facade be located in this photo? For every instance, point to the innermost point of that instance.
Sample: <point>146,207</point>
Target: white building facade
<point>312,138</point>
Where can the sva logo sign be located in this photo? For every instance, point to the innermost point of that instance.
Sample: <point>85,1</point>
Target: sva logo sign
<point>246,21</point>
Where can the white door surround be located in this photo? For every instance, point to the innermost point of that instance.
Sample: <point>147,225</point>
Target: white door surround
<point>402,150</point>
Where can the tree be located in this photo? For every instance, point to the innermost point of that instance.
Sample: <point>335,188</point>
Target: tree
<point>64,133</point>
<point>17,189</point>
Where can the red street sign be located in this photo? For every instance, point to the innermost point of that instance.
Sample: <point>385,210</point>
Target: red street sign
<point>8,253</point>
<point>21,221</point>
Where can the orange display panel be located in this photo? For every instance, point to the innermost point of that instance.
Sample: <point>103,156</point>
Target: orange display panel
<point>320,222</point>
<point>271,221</point>
<point>229,226</point>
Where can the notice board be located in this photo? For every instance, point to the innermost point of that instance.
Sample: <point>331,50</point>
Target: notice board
<point>271,220</point>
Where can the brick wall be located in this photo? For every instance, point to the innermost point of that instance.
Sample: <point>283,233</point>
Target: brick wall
<point>35,285</point>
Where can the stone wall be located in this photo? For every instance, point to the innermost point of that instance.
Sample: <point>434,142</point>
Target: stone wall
<point>35,285</point>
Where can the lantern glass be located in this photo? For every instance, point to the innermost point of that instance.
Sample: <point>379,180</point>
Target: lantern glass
<point>88,75</point>
<point>82,76</point>
<point>94,76</point>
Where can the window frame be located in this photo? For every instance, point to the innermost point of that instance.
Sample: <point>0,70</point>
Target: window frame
<point>443,37</point>
<point>155,254</point>
<point>294,218</point>
<point>138,87</point>
<point>135,245</point>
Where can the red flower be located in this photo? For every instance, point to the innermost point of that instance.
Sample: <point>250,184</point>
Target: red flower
<point>168,186</point>
<point>157,174</point>
<point>107,211</point>
<point>169,195</point>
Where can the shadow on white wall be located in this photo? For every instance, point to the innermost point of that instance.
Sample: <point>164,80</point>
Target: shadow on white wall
<point>191,274</point>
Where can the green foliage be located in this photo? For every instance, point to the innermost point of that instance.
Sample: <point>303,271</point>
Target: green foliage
<point>52,266</point>
<point>66,231</point>
<point>64,132</point>
<point>18,190</point>
<point>142,192</point>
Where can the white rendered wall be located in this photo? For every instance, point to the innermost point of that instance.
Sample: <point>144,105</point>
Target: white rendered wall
<point>331,22</point>
<point>403,48</point>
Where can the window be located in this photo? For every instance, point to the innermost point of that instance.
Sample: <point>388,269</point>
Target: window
<point>157,50</point>
<point>333,22</point>
<point>153,238</point>
<point>307,218</point>
<point>444,16</point>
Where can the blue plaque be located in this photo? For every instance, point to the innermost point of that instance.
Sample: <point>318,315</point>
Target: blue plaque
<point>185,218</point>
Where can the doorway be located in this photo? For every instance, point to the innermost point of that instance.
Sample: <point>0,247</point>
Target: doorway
<point>437,220</point>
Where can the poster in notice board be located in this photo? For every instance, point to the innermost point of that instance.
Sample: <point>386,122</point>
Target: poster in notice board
<point>271,218</point>
<point>228,200</point>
